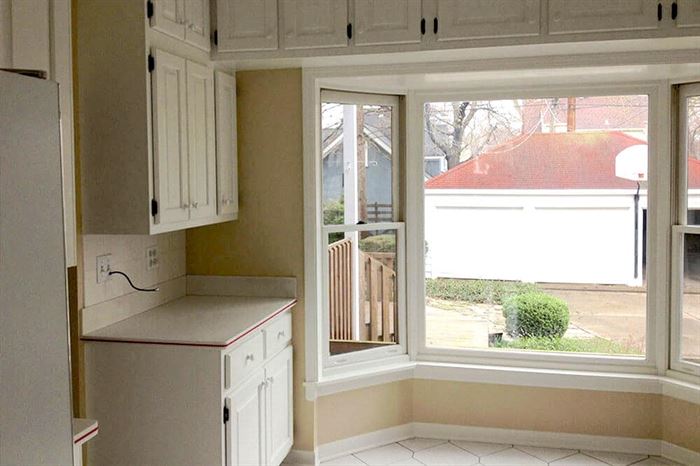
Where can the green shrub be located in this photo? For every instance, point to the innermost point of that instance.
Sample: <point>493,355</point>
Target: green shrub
<point>379,243</point>
<point>568,345</point>
<point>333,212</point>
<point>536,314</point>
<point>475,291</point>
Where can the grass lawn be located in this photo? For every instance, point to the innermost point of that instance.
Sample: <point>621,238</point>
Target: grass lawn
<point>569,345</point>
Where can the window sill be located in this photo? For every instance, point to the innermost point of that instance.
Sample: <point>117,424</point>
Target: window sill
<point>469,373</point>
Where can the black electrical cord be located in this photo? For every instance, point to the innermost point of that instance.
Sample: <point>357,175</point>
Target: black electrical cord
<point>117,272</point>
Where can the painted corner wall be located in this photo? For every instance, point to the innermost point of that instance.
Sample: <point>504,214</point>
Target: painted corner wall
<point>268,238</point>
<point>618,414</point>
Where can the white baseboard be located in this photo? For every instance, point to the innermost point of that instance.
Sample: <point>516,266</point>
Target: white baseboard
<point>301,457</point>
<point>331,450</point>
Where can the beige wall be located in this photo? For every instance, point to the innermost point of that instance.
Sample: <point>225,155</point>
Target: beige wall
<point>619,414</point>
<point>268,238</point>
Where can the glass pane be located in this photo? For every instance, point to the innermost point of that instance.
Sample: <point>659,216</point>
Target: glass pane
<point>690,322</point>
<point>693,153</point>
<point>362,290</point>
<point>535,224</point>
<point>357,165</point>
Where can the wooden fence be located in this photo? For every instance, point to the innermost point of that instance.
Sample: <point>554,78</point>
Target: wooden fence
<point>377,280</point>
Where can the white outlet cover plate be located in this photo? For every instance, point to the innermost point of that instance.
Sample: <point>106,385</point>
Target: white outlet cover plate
<point>104,266</point>
<point>152,260</point>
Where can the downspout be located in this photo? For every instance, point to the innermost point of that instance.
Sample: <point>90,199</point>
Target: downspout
<point>636,232</point>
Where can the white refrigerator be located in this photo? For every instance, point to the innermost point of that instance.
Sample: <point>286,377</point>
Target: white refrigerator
<point>35,392</point>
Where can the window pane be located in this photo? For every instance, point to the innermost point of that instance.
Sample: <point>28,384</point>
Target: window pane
<point>693,151</point>
<point>357,163</point>
<point>535,224</point>
<point>362,290</point>
<point>690,321</point>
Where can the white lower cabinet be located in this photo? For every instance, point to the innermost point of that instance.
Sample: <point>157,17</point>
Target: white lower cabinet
<point>259,411</point>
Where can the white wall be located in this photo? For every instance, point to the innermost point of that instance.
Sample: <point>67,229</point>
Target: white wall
<point>536,236</point>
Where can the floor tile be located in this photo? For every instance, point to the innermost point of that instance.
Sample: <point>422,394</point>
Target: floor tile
<point>409,462</point>
<point>348,460</point>
<point>656,461</point>
<point>511,457</point>
<point>446,454</point>
<point>615,459</point>
<point>387,454</point>
<point>418,444</point>
<point>546,454</point>
<point>578,460</point>
<point>481,448</point>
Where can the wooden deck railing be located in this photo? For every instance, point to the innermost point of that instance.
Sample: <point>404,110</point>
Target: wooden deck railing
<point>340,287</point>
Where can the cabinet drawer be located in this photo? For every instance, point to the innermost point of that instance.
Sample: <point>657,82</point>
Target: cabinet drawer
<point>278,334</point>
<point>243,360</point>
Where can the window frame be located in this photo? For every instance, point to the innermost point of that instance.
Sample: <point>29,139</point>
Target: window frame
<point>679,229</point>
<point>333,364</point>
<point>650,363</point>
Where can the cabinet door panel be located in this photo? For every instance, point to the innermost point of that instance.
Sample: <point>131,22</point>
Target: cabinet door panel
<point>245,441</point>
<point>475,19</point>
<point>314,23</point>
<point>280,437</point>
<point>688,13</point>
<point>380,22</point>
<point>170,166</point>
<point>571,16</point>
<point>247,25</point>
<point>197,23</point>
<point>169,17</point>
<point>201,138</point>
<point>226,151</point>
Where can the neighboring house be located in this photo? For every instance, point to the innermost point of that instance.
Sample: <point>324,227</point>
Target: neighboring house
<point>545,207</point>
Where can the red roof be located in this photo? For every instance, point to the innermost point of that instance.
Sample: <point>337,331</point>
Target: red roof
<point>584,160</point>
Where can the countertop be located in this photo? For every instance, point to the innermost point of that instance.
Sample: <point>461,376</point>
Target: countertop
<point>210,321</point>
<point>84,430</point>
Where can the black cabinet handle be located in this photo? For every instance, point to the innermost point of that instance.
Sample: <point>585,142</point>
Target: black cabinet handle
<point>674,10</point>
<point>660,12</point>
<point>422,26</point>
<point>435,25</point>
<point>349,30</point>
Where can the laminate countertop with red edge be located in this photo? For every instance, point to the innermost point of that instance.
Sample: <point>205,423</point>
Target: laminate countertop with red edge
<point>208,321</point>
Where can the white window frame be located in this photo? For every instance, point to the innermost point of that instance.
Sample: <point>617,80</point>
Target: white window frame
<point>649,364</point>
<point>329,364</point>
<point>679,230</point>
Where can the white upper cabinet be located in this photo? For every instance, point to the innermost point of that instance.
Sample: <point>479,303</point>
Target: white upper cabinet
<point>226,151</point>
<point>572,16</point>
<point>379,22</point>
<point>246,25</point>
<point>314,23</point>
<point>168,17</point>
<point>187,20</point>
<point>688,13</point>
<point>201,137</point>
<point>170,166</point>
<point>476,19</point>
<point>197,24</point>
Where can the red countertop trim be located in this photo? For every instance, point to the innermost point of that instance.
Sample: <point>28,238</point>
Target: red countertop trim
<point>97,427</point>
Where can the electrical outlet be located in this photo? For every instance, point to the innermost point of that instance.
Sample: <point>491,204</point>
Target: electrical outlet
<point>104,266</point>
<point>152,260</point>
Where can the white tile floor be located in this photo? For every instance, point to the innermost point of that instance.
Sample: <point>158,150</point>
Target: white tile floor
<point>432,452</point>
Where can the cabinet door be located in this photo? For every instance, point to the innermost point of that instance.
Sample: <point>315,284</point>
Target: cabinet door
<point>197,23</point>
<point>571,16</point>
<point>169,17</point>
<point>279,384</point>
<point>226,151</point>
<point>309,24</point>
<point>245,433</point>
<point>170,168</point>
<point>479,19</point>
<point>688,13</point>
<point>247,25</point>
<point>201,136</point>
<point>380,22</point>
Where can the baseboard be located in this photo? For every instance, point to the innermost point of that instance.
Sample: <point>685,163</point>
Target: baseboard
<point>301,457</point>
<point>332,450</point>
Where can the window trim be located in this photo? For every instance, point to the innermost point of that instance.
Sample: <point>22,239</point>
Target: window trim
<point>648,364</point>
